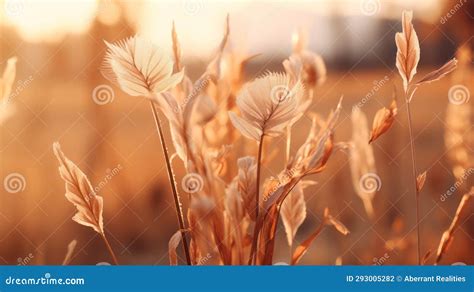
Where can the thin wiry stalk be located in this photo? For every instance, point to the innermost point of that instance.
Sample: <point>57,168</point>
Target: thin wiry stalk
<point>259,164</point>
<point>288,144</point>
<point>171,177</point>
<point>257,203</point>
<point>413,163</point>
<point>109,247</point>
<point>448,235</point>
<point>288,148</point>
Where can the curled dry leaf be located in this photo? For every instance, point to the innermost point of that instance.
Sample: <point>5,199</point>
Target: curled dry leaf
<point>330,220</point>
<point>420,181</point>
<point>304,64</point>
<point>439,73</point>
<point>267,105</point>
<point>172,245</point>
<point>408,50</point>
<point>139,67</point>
<point>383,120</point>
<point>304,246</point>
<point>293,212</point>
<point>80,193</point>
<point>312,156</point>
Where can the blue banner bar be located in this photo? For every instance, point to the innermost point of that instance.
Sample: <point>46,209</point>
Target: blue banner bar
<point>272,278</point>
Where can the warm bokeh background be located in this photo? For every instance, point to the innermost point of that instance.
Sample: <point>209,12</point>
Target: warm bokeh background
<point>59,46</point>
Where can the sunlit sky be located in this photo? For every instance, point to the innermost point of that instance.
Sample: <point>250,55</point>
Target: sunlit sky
<point>200,22</point>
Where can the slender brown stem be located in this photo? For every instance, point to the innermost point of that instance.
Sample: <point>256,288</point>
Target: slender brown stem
<point>253,249</point>
<point>288,143</point>
<point>111,251</point>
<point>311,238</point>
<point>448,235</point>
<point>259,166</point>
<point>277,217</point>
<point>413,161</point>
<point>171,177</point>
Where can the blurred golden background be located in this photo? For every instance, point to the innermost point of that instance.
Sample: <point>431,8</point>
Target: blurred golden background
<point>59,48</point>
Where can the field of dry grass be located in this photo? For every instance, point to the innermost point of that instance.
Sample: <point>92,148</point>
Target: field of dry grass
<point>112,138</point>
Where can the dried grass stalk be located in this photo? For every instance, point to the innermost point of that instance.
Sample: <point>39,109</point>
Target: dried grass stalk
<point>408,56</point>
<point>268,105</point>
<point>448,235</point>
<point>310,158</point>
<point>304,246</point>
<point>458,118</point>
<point>70,250</point>
<point>361,158</point>
<point>81,194</point>
<point>408,50</point>
<point>140,68</point>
